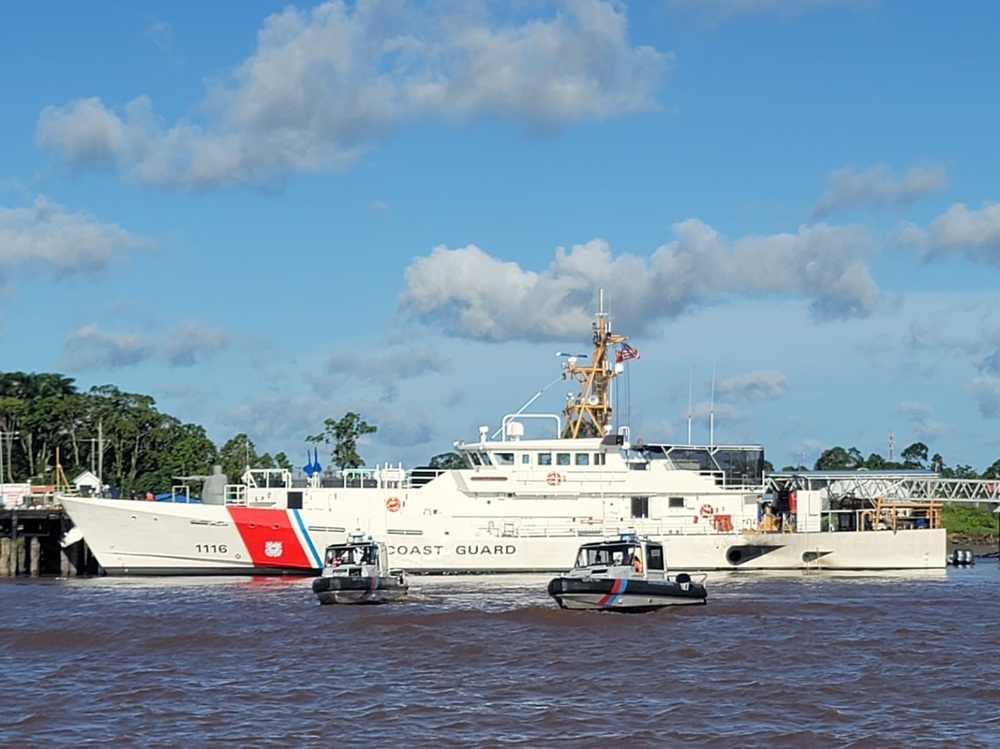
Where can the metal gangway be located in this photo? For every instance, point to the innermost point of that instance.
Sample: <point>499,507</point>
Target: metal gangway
<point>890,486</point>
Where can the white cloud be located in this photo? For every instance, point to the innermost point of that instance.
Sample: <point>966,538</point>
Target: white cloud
<point>385,369</point>
<point>978,339</point>
<point>766,384</point>
<point>92,348</point>
<point>877,187</point>
<point>85,130</point>
<point>278,419</point>
<point>985,390</point>
<point>478,296</point>
<point>48,238</point>
<point>190,341</point>
<point>324,85</point>
<point>926,430</point>
<point>913,408</point>
<point>702,413</point>
<point>975,233</point>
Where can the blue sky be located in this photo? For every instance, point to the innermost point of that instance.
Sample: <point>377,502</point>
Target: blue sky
<point>267,215</point>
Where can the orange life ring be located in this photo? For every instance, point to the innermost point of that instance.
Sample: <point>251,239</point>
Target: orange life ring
<point>393,504</point>
<point>706,511</point>
<point>554,479</point>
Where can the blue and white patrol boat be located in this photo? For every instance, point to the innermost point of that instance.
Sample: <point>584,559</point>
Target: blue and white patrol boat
<point>625,574</point>
<point>358,572</point>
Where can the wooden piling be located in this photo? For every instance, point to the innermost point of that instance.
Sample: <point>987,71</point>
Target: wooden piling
<point>31,544</point>
<point>34,556</point>
<point>5,570</point>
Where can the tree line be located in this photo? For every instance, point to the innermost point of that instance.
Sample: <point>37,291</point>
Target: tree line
<point>50,432</point>
<point>47,424</point>
<point>913,458</point>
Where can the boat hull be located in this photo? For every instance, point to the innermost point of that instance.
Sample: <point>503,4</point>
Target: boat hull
<point>625,595</point>
<point>158,538</point>
<point>359,590</point>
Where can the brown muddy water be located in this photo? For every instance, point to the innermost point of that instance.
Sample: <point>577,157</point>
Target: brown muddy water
<point>794,660</point>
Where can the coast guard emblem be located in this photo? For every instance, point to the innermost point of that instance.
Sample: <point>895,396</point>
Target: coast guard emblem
<point>272,549</point>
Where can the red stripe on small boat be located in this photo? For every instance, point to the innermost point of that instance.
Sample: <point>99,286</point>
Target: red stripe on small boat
<point>269,537</point>
<point>615,590</point>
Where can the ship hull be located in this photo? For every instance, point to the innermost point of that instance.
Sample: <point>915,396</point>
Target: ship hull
<point>359,590</point>
<point>155,538</point>
<point>620,594</point>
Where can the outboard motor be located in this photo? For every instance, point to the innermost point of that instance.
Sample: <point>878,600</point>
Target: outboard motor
<point>684,580</point>
<point>963,557</point>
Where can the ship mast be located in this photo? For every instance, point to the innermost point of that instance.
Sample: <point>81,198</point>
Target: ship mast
<point>588,413</point>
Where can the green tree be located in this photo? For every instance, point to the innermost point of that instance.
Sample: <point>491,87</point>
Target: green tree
<point>875,462</point>
<point>839,459</point>
<point>448,461</point>
<point>993,472</point>
<point>965,472</point>
<point>344,436</point>
<point>915,456</point>
<point>236,456</point>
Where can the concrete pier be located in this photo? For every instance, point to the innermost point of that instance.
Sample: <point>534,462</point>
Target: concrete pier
<point>31,544</point>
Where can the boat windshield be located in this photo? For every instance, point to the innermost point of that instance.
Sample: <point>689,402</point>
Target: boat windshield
<point>607,555</point>
<point>338,555</point>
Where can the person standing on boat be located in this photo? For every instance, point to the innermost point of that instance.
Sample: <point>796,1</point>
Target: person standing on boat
<point>637,560</point>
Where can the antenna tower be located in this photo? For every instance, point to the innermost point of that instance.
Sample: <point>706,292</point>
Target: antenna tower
<point>588,414</point>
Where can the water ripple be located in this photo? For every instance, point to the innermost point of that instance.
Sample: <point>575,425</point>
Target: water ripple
<point>773,661</point>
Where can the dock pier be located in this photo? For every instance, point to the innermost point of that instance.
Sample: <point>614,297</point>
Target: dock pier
<point>31,545</point>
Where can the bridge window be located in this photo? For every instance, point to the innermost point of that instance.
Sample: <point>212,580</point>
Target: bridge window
<point>525,459</point>
<point>562,459</point>
<point>599,459</point>
<point>544,459</point>
<point>675,502</point>
<point>504,459</point>
<point>582,459</point>
<point>640,507</point>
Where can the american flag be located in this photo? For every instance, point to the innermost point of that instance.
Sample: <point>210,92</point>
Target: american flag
<point>626,352</point>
